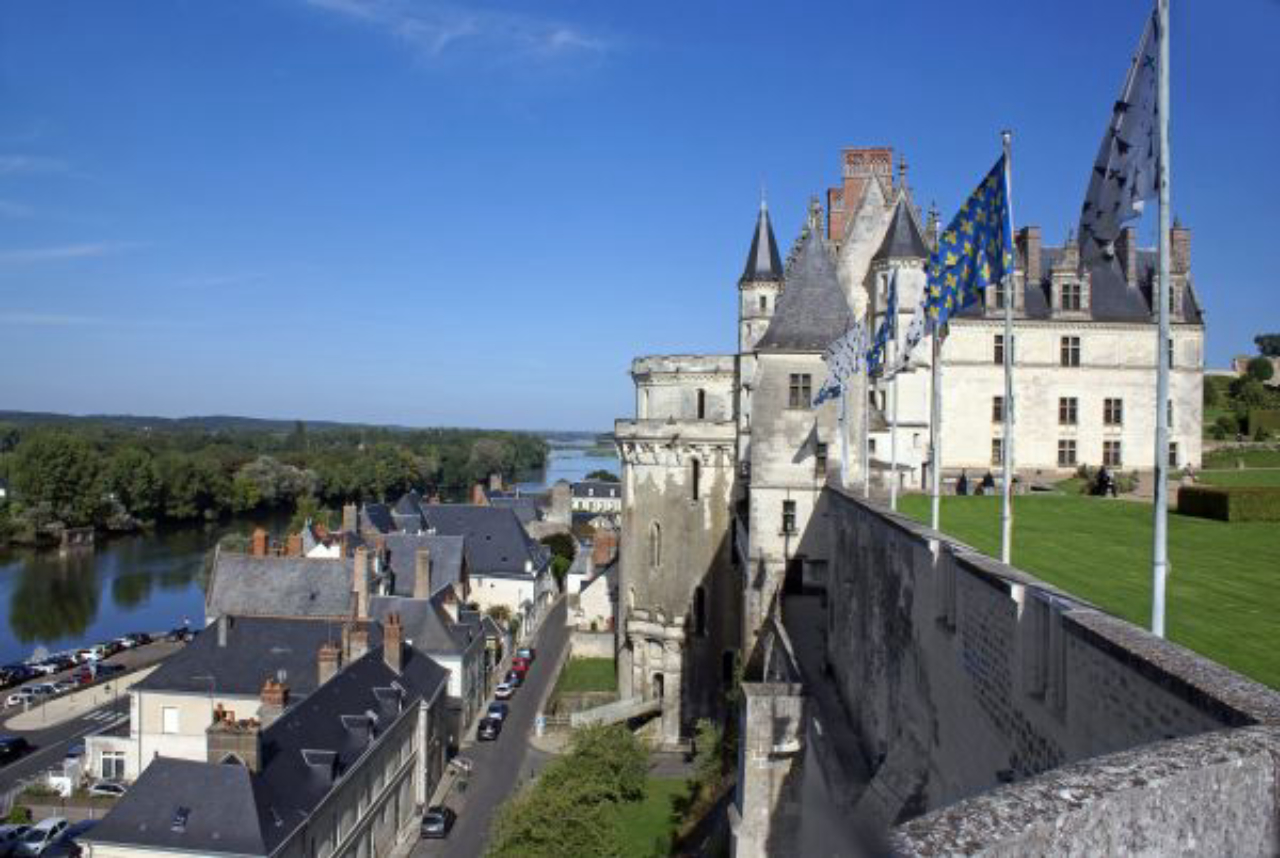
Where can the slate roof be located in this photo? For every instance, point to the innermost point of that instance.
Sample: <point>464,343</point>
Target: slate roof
<point>526,507</point>
<point>426,624</point>
<point>256,649</point>
<point>600,488</point>
<point>377,516</point>
<point>763,261</point>
<point>812,311</point>
<point>237,812</point>
<point>402,551</point>
<point>496,542</point>
<point>242,584</point>
<point>902,240</point>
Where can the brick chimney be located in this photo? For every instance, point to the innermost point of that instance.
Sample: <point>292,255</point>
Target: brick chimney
<point>350,517</point>
<point>293,548</point>
<point>495,482</point>
<point>360,582</point>
<point>355,641</point>
<point>1029,246</point>
<point>1127,253</point>
<point>328,662</point>
<point>478,497</point>
<point>275,699</point>
<point>393,642</point>
<point>1179,248</point>
<point>258,544</point>
<point>422,573</point>
<point>238,740</point>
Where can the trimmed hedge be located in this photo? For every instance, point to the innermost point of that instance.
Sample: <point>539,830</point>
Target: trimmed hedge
<point>1230,503</point>
<point>1267,419</point>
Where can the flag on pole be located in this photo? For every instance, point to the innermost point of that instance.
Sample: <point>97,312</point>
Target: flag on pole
<point>887,331</point>
<point>975,250</point>
<point>1124,174</point>
<point>844,359</point>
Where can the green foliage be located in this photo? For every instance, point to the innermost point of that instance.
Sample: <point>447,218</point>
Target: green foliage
<point>560,569</point>
<point>603,476</point>
<point>1247,392</point>
<point>1211,394</point>
<point>62,470</point>
<point>1265,420</point>
<point>1268,344</point>
<point>1260,369</point>
<point>18,815</point>
<point>309,508</point>
<point>587,674</point>
<point>1241,457</point>
<point>561,545</point>
<point>708,758</point>
<point>1230,503</point>
<point>500,613</point>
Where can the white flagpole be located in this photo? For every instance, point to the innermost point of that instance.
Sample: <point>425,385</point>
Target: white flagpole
<point>844,433</point>
<point>866,432</point>
<point>1160,558</point>
<point>893,414</point>
<point>1006,505</point>
<point>935,424</point>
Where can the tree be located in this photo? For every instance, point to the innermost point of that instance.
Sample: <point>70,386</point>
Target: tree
<point>1248,393</point>
<point>559,569</point>
<point>1268,344</point>
<point>561,545</point>
<point>63,470</point>
<point>603,476</point>
<point>132,477</point>
<point>1260,369</point>
<point>310,509</point>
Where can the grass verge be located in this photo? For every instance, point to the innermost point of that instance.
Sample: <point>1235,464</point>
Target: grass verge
<point>587,674</point>
<point>648,826</point>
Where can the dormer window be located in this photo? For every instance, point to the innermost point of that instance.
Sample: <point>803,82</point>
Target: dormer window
<point>1070,298</point>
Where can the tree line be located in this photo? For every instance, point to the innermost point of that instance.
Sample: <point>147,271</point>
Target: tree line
<point>118,478</point>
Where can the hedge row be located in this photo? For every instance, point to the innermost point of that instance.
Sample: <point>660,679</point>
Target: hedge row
<point>1265,419</point>
<point>1230,503</point>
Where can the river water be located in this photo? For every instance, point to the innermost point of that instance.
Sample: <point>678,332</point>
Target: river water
<point>147,582</point>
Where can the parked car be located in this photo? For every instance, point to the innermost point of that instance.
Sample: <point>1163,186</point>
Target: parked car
<point>110,648</point>
<point>181,634</point>
<point>499,711</point>
<point>88,655</point>
<point>9,837</point>
<point>42,668</point>
<point>41,836</point>
<point>138,638</point>
<point>514,677</point>
<point>437,821</point>
<point>13,747</point>
<point>20,697</point>
<point>521,664</point>
<point>527,652</point>
<point>64,685</point>
<point>462,764</point>
<point>104,670</point>
<point>109,789</point>
<point>489,729</point>
<point>66,846</point>
<point>43,689</point>
<point>504,691</point>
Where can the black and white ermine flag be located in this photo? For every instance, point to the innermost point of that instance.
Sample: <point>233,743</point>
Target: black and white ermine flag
<point>1125,174</point>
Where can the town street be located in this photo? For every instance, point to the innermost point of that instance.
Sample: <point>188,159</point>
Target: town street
<point>503,766</point>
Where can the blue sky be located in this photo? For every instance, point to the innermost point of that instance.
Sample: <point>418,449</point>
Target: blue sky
<point>424,213</point>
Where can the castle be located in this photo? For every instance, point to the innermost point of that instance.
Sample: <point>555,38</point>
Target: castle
<point>726,459</point>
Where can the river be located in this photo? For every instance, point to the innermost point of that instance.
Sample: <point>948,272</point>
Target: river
<point>147,582</point>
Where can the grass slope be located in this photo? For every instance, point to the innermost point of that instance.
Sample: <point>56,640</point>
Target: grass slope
<point>1224,584</point>
<point>648,823</point>
<point>587,674</point>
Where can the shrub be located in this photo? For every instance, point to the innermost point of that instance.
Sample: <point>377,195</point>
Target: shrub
<point>1260,368</point>
<point>1263,420</point>
<point>1230,503</point>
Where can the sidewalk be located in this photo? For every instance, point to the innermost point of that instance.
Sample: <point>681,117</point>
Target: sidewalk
<point>75,705</point>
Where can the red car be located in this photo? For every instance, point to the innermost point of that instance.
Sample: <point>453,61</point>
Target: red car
<point>520,664</point>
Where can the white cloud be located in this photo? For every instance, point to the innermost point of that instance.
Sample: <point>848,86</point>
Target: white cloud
<point>86,250</point>
<point>434,28</point>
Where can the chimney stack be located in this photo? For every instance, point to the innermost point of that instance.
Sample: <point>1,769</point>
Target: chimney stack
<point>224,623</point>
<point>495,481</point>
<point>393,642</point>
<point>350,518</point>
<point>328,662</point>
<point>275,699</point>
<point>293,548</point>
<point>229,740</point>
<point>422,573</point>
<point>1179,248</point>
<point>1029,241</point>
<point>258,545</point>
<point>1127,253</point>
<point>360,582</point>
<point>355,641</point>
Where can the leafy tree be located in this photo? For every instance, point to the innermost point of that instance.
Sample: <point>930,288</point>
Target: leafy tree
<point>561,545</point>
<point>1212,395</point>
<point>708,760</point>
<point>309,509</point>
<point>63,470</point>
<point>560,569</point>
<point>603,476</point>
<point>1260,369</point>
<point>132,477</point>
<point>1268,344</point>
<point>1248,393</point>
<point>500,613</point>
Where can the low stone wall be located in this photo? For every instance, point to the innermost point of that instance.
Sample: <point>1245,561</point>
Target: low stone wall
<point>592,644</point>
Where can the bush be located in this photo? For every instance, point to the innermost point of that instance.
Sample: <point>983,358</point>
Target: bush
<point>1260,368</point>
<point>1264,420</point>
<point>1230,503</point>
<point>1228,424</point>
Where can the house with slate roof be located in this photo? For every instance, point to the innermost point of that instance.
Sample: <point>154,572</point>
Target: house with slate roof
<point>597,497</point>
<point>340,770</point>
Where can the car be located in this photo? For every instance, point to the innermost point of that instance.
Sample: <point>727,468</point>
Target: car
<point>39,837</point>
<point>110,648</point>
<point>43,668</point>
<point>64,685</point>
<point>488,729</point>
<point>504,691</point>
<point>88,655</point>
<point>109,789</point>
<point>462,764</point>
<point>499,711</point>
<point>13,747</point>
<point>9,837</point>
<point>520,664</point>
<point>437,821</point>
<point>103,669</point>
<point>43,689</point>
<point>515,677</point>
<point>528,653</point>
<point>66,845</point>
<point>20,697</point>
<point>179,635</point>
<point>138,638</point>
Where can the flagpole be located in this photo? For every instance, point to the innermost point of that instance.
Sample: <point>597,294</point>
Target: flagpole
<point>935,421</point>
<point>1006,505</point>
<point>866,434</point>
<point>1160,558</point>
<point>893,416</point>
<point>844,434</point>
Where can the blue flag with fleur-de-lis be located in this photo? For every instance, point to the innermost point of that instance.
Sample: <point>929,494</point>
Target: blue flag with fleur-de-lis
<point>974,251</point>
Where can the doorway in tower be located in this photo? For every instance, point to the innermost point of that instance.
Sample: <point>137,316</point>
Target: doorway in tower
<point>657,686</point>
<point>793,583</point>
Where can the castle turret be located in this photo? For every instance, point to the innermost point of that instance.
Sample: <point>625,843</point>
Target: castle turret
<point>760,284</point>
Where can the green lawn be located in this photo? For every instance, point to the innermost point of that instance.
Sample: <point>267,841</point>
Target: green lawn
<point>1242,477</point>
<point>1224,584</point>
<point>646,823</point>
<point>1251,458</point>
<point>587,674</point>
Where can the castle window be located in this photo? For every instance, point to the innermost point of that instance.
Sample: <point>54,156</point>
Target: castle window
<point>788,516</point>
<point>820,459</point>
<point>695,478</point>
<point>1111,454</point>
<point>764,303</point>
<point>1000,291</point>
<point>1068,407</point>
<point>1171,353</point>
<point>1070,351</point>
<point>655,545</point>
<point>1173,454</point>
<point>1169,414</point>
<point>1066,452</point>
<point>997,409</point>
<point>997,451</point>
<point>1070,296</point>
<point>998,354</point>
<point>1113,412</point>
<point>801,390</point>
<point>700,612</point>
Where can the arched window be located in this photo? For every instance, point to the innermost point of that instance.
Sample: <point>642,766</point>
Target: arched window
<point>695,477</point>
<point>700,612</point>
<point>655,545</point>
<point>702,404</point>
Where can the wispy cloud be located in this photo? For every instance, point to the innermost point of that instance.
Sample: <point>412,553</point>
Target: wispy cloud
<point>55,253</point>
<point>48,320</point>
<point>11,164</point>
<point>435,28</point>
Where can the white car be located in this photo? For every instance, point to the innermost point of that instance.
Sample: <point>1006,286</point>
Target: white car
<point>19,697</point>
<point>110,789</point>
<point>41,836</point>
<point>504,691</point>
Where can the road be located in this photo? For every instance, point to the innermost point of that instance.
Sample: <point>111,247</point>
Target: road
<point>501,766</point>
<point>51,744</point>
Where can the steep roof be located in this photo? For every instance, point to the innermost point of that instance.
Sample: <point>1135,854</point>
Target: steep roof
<point>242,584</point>
<point>238,659</point>
<point>812,311</point>
<point>402,559</point>
<point>763,261</point>
<point>426,624</point>
<point>902,240</point>
<point>496,542</point>
<point>597,489</point>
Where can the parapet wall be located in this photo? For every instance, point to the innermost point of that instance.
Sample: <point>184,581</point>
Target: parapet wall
<point>961,675</point>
